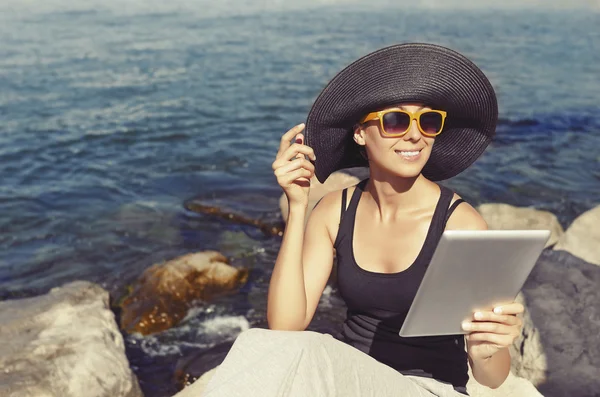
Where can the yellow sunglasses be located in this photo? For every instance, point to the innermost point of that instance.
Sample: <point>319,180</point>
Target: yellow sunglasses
<point>396,122</point>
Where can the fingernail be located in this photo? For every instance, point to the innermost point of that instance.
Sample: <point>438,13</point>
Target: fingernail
<point>497,310</point>
<point>478,315</point>
<point>466,326</point>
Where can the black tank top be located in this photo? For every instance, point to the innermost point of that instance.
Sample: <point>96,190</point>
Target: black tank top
<point>378,303</point>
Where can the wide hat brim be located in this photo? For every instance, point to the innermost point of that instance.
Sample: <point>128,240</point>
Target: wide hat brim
<point>416,72</point>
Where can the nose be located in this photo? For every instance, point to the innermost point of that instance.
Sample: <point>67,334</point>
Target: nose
<point>413,133</point>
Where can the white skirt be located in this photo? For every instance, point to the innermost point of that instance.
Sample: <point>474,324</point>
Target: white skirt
<point>270,363</point>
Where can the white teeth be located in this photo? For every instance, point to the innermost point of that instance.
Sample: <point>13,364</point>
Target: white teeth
<point>408,154</point>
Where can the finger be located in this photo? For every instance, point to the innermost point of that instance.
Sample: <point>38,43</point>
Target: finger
<point>293,152</point>
<point>296,149</point>
<point>294,165</point>
<point>300,141</point>
<point>508,319</point>
<point>286,139</point>
<point>510,308</point>
<point>488,337</point>
<point>290,177</point>
<point>496,328</point>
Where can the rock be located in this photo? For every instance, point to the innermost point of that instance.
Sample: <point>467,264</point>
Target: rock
<point>582,238</point>
<point>65,343</point>
<point>505,216</point>
<point>191,368</point>
<point>268,229</point>
<point>198,387</point>
<point>527,352</point>
<point>162,296</point>
<point>336,181</point>
<point>513,386</point>
<point>143,220</point>
<point>560,344</point>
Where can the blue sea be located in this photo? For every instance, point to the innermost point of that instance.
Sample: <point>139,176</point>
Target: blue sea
<point>113,114</point>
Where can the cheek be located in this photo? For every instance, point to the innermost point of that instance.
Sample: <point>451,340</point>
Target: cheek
<point>429,147</point>
<point>373,140</point>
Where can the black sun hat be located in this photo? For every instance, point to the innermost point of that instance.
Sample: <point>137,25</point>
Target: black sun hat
<point>415,72</point>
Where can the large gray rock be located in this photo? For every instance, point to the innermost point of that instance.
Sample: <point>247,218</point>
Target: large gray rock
<point>336,181</point>
<point>582,238</point>
<point>527,352</point>
<point>560,344</point>
<point>505,216</point>
<point>65,344</point>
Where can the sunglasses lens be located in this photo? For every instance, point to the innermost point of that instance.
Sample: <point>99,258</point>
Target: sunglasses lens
<point>431,122</point>
<point>396,122</point>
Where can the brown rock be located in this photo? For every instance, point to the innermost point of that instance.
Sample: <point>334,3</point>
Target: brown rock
<point>162,296</point>
<point>582,238</point>
<point>336,181</point>
<point>508,217</point>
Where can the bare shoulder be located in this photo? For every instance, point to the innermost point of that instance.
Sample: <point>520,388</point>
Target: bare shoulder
<point>328,209</point>
<point>465,217</point>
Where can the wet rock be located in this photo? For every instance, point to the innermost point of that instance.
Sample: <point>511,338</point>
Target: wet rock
<point>505,216</point>
<point>65,343</point>
<point>268,229</point>
<point>199,385</point>
<point>143,221</point>
<point>190,368</point>
<point>162,296</point>
<point>336,181</point>
<point>582,238</point>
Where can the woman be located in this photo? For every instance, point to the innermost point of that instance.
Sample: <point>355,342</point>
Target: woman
<point>414,114</point>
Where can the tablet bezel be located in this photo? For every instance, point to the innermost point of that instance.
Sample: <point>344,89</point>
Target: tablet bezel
<point>457,281</point>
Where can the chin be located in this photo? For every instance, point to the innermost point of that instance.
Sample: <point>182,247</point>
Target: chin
<point>407,169</point>
<point>403,171</point>
<point>409,173</point>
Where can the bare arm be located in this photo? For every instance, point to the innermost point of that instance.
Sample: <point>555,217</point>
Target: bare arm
<point>305,257</point>
<point>302,268</point>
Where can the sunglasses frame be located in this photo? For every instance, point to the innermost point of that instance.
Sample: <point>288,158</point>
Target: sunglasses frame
<point>413,116</point>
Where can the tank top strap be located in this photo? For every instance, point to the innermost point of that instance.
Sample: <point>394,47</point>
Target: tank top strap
<point>451,210</point>
<point>347,215</point>
<point>440,216</point>
<point>360,187</point>
<point>344,201</point>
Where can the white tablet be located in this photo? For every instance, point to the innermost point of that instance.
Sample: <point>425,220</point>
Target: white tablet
<point>471,270</point>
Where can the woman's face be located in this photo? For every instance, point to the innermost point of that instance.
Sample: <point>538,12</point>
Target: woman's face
<point>403,156</point>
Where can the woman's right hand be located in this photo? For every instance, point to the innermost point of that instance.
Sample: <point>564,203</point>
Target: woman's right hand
<point>292,169</point>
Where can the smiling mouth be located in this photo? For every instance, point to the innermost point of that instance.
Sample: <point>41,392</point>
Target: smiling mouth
<point>408,153</point>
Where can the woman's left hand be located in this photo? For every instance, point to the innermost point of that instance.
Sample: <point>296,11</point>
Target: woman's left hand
<point>491,331</point>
